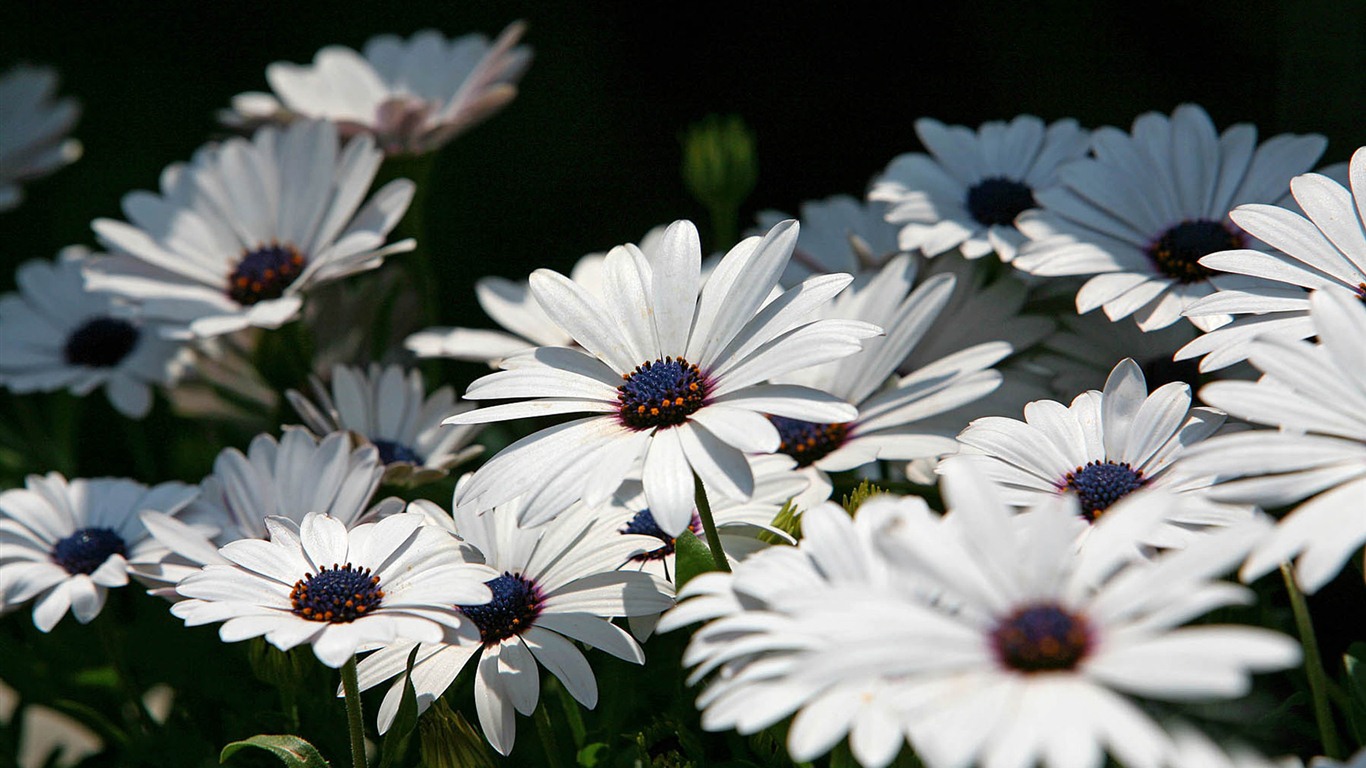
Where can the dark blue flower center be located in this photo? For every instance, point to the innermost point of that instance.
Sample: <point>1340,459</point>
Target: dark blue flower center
<point>1162,369</point>
<point>1041,638</point>
<point>265,273</point>
<point>338,595</point>
<point>87,549</point>
<point>807,441</point>
<point>644,524</point>
<point>662,393</point>
<point>1101,483</point>
<point>515,605</point>
<point>391,452</point>
<point>1178,251</point>
<point>998,200</point>
<point>101,343</point>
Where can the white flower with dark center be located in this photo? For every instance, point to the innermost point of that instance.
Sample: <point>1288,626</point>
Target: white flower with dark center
<point>335,588</point>
<point>1323,249</point>
<point>55,334</point>
<point>839,234</point>
<point>888,423</point>
<point>967,192</point>
<point>238,234</point>
<point>1152,203</point>
<point>1081,354</point>
<point>290,478</point>
<point>66,543</point>
<point>33,129</point>
<point>1103,447</point>
<point>671,370</point>
<point>392,411</point>
<point>555,584</point>
<point>1316,395</point>
<point>411,95</point>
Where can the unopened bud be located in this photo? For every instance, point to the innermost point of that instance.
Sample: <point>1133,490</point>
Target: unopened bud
<point>449,741</point>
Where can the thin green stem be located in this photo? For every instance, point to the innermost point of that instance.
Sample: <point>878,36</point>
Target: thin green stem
<point>355,720</point>
<point>709,525</point>
<point>1313,666</point>
<point>546,731</point>
<point>113,648</point>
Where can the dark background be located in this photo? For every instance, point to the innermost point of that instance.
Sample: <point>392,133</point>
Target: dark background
<point>588,154</point>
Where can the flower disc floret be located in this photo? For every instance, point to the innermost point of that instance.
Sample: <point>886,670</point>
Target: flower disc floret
<point>662,393</point>
<point>644,524</point>
<point>807,441</point>
<point>516,603</point>
<point>1177,252</point>
<point>1042,638</point>
<point>998,200</point>
<point>101,342</point>
<point>87,549</point>
<point>1099,484</point>
<point>338,595</point>
<point>265,273</point>
<point>391,452</point>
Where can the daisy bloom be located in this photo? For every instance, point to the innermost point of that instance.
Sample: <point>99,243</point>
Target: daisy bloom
<point>391,410</point>
<point>411,95</point>
<point>1356,761</point>
<point>67,543</point>
<point>1323,249</point>
<point>1193,749</point>
<point>1141,214</point>
<point>55,334</point>
<point>1100,449</point>
<point>967,191</point>
<point>838,234</point>
<point>1085,348</point>
<point>33,130</point>
<point>238,234</point>
<point>290,478</point>
<point>670,370</point>
<point>335,588</point>
<point>1315,394</point>
<point>552,585</point>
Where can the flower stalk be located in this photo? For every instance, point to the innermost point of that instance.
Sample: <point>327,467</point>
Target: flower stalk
<point>709,525</point>
<point>355,720</point>
<point>1313,666</point>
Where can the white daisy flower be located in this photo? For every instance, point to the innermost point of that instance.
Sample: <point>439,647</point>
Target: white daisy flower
<point>392,411</point>
<point>33,130</point>
<point>553,584</point>
<point>1100,449</point>
<point>838,234</point>
<point>1141,214</point>
<point>671,370</point>
<point>335,588</point>
<point>238,234</point>
<point>1356,761</point>
<point>67,543</point>
<point>1086,348</point>
<point>290,478</point>
<point>967,191</point>
<point>411,95</point>
<point>44,737</point>
<point>1193,749</point>
<point>55,334</point>
<point>1316,395</point>
<point>1324,249</point>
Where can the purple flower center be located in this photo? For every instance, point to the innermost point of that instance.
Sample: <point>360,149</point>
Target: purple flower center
<point>998,200</point>
<point>87,549</point>
<point>662,393</point>
<point>391,452</point>
<point>338,595</point>
<point>515,605</point>
<point>265,273</point>
<point>1177,252</point>
<point>1041,638</point>
<point>644,524</point>
<point>807,441</point>
<point>102,342</point>
<point>1101,483</point>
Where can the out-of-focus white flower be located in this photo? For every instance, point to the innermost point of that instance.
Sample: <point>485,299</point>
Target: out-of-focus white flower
<point>33,130</point>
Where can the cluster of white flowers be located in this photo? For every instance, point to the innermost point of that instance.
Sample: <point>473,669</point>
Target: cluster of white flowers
<point>1062,581</point>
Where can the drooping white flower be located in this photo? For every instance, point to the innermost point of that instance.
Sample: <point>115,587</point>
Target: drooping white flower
<point>552,585</point>
<point>967,192</point>
<point>411,95</point>
<point>338,589</point>
<point>56,334</point>
<point>65,544</point>
<point>1140,215</point>
<point>671,370</point>
<point>239,233</point>
<point>33,130</point>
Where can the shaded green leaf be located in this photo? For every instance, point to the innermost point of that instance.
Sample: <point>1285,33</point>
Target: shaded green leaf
<point>693,557</point>
<point>593,755</point>
<point>400,735</point>
<point>293,751</point>
<point>1355,662</point>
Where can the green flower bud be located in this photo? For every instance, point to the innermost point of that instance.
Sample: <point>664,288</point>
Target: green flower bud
<point>449,741</point>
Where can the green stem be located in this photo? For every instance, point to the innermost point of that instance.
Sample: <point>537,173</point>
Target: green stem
<point>709,525</point>
<point>113,648</point>
<point>355,721</point>
<point>546,731</point>
<point>1313,666</point>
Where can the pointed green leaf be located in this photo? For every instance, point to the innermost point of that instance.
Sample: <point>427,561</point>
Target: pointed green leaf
<point>400,735</point>
<point>693,557</point>
<point>1355,662</point>
<point>293,751</point>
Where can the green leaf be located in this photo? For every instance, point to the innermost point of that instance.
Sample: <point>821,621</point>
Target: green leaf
<point>400,735</point>
<point>1355,662</point>
<point>293,751</point>
<point>693,557</point>
<point>593,755</point>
